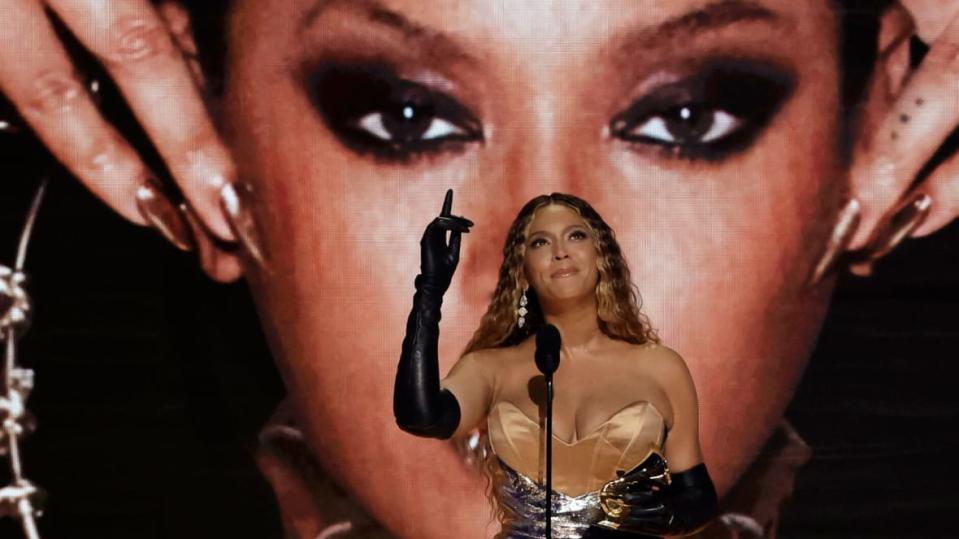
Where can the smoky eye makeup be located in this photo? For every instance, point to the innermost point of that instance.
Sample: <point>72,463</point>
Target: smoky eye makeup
<point>577,233</point>
<point>714,113</point>
<point>375,112</point>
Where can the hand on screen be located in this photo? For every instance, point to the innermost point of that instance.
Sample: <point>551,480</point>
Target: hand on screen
<point>141,47</point>
<point>906,184</point>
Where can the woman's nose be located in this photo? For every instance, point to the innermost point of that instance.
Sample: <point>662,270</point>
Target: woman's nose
<point>541,154</point>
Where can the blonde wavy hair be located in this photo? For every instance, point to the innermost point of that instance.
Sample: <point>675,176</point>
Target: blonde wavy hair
<point>618,311</point>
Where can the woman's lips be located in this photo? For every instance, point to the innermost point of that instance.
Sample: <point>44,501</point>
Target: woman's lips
<point>564,272</point>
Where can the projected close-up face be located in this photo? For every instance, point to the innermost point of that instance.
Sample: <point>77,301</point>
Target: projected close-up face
<point>707,141</point>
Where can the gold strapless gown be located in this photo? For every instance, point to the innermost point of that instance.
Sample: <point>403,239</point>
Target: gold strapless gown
<point>580,468</point>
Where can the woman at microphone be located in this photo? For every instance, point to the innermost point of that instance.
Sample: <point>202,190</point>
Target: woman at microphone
<point>626,452</point>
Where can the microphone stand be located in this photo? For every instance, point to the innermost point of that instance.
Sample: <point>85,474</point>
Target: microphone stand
<point>548,342</point>
<point>549,456</point>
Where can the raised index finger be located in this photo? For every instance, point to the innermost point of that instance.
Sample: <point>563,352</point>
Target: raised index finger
<point>447,204</point>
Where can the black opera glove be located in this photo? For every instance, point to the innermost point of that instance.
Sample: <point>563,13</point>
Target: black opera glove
<point>437,259</point>
<point>650,500</point>
<point>420,405</point>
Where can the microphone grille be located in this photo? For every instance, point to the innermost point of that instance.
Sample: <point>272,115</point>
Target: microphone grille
<point>548,338</point>
<point>547,349</point>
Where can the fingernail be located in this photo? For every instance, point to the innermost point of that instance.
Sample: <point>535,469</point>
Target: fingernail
<point>271,433</point>
<point>163,216</point>
<point>289,444</point>
<point>842,233</point>
<point>204,240</point>
<point>862,269</point>
<point>235,202</point>
<point>906,218</point>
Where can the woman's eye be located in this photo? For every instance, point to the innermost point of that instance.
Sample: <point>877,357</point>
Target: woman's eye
<point>387,126</point>
<point>689,125</point>
<point>536,243</point>
<point>373,111</point>
<point>579,234</point>
<point>710,115</point>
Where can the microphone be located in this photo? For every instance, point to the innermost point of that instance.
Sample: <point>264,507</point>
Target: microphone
<point>547,349</point>
<point>547,361</point>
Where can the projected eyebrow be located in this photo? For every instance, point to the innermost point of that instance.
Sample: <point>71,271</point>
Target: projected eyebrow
<point>715,15</point>
<point>710,17</point>
<point>439,43</point>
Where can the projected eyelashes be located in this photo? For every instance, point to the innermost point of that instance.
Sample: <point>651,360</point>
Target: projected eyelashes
<point>373,111</point>
<point>710,115</point>
<point>716,112</point>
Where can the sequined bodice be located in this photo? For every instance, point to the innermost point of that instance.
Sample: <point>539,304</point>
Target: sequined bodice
<point>580,468</point>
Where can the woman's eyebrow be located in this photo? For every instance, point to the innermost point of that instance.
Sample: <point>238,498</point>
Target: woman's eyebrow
<point>717,15</point>
<point>565,230</point>
<point>710,17</point>
<point>437,42</point>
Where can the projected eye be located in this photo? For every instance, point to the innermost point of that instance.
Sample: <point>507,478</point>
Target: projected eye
<point>410,123</point>
<point>689,124</point>
<point>712,114</point>
<point>373,111</point>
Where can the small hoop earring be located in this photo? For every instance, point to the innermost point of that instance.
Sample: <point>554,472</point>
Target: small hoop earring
<point>522,311</point>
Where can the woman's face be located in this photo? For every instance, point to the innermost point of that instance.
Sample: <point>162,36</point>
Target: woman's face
<point>560,260</point>
<point>704,132</point>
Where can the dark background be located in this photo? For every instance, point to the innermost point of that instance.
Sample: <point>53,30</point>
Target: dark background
<point>879,404</point>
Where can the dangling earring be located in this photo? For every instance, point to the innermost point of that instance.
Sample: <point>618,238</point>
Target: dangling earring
<point>522,309</point>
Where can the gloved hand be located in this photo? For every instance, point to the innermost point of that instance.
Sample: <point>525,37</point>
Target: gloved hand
<point>651,500</point>
<point>438,260</point>
<point>420,405</point>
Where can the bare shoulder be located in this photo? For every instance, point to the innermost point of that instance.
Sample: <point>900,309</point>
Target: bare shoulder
<point>668,366</point>
<point>487,356</point>
<point>486,361</point>
<point>665,357</point>
<point>477,359</point>
<point>653,355</point>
